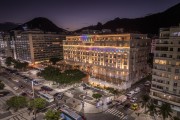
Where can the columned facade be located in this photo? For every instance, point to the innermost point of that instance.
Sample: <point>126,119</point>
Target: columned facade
<point>108,58</point>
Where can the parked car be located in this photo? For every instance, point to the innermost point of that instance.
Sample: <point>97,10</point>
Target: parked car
<point>3,93</point>
<point>21,86</point>
<point>36,83</point>
<point>133,99</point>
<point>29,92</point>
<point>24,94</point>
<point>60,96</point>
<point>46,88</point>
<point>15,88</point>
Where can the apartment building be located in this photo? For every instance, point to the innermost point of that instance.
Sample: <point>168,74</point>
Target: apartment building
<point>166,71</point>
<point>37,46</point>
<point>114,60</point>
<point>6,45</point>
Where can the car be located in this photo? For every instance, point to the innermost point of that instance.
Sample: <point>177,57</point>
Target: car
<point>134,106</point>
<point>133,99</point>
<point>137,90</point>
<point>29,92</point>
<point>35,82</point>
<point>21,86</point>
<point>58,95</point>
<point>4,93</point>
<point>46,88</point>
<point>108,103</point>
<point>15,88</point>
<point>147,83</point>
<point>16,80</point>
<point>24,94</point>
<point>130,93</point>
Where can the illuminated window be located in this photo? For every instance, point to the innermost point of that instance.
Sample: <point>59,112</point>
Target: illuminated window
<point>176,77</point>
<point>177,63</point>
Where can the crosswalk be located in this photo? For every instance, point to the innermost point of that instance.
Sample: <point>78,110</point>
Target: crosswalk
<point>116,113</point>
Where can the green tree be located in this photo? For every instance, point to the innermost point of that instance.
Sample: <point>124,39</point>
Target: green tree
<point>145,100</point>
<point>176,118</point>
<point>20,65</point>
<point>67,77</point>
<point>54,60</point>
<point>52,115</point>
<point>17,102</point>
<point>1,85</point>
<point>9,61</point>
<point>152,109</point>
<point>97,96</point>
<point>165,110</point>
<point>37,104</point>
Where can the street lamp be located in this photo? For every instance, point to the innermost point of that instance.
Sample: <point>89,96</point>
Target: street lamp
<point>33,88</point>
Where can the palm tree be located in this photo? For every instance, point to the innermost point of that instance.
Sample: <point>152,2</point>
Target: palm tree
<point>165,110</point>
<point>176,118</point>
<point>152,109</point>
<point>145,100</point>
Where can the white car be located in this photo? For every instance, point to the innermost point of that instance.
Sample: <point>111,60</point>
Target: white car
<point>15,88</point>
<point>133,100</point>
<point>137,90</point>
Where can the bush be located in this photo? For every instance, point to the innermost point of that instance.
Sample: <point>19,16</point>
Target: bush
<point>1,85</point>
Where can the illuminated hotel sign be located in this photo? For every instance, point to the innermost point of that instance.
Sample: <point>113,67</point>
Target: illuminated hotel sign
<point>98,49</point>
<point>88,38</point>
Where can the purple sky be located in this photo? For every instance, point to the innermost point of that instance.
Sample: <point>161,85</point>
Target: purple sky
<point>74,14</point>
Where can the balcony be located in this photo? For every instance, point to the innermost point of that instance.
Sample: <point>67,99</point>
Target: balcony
<point>166,97</point>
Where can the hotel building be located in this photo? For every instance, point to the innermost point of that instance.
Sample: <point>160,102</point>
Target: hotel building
<point>36,46</point>
<point>166,68</point>
<point>116,60</point>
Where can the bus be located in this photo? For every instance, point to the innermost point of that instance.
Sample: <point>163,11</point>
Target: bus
<point>47,97</point>
<point>67,114</point>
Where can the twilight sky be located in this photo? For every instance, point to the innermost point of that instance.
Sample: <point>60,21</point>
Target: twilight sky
<point>74,14</point>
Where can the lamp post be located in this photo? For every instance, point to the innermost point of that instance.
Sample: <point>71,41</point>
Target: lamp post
<point>33,88</point>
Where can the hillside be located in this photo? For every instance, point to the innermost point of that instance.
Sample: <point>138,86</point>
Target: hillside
<point>148,24</point>
<point>42,24</point>
<point>7,26</point>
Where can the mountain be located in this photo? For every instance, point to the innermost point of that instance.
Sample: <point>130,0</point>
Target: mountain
<point>42,24</point>
<point>148,24</point>
<point>7,26</point>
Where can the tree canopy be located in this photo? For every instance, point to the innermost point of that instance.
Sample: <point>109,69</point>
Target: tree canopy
<point>9,61</point>
<point>52,115</point>
<point>67,77</point>
<point>54,60</point>
<point>17,64</point>
<point>165,110</point>
<point>37,104</point>
<point>17,102</point>
<point>96,96</point>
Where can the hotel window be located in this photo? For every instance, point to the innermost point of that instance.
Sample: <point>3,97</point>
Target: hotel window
<point>178,50</point>
<point>174,90</point>
<point>176,70</point>
<point>176,77</point>
<point>171,49</point>
<point>175,84</point>
<point>177,63</point>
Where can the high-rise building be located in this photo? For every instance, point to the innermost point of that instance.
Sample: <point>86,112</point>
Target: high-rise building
<point>166,68</point>
<point>37,46</point>
<point>6,45</point>
<point>115,60</point>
